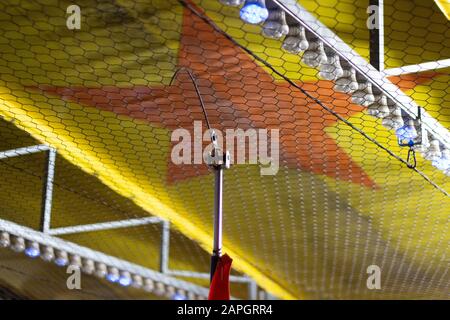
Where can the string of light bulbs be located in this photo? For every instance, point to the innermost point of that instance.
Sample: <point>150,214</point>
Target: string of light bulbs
<point>345,83</point>
<point>297,40</point>
<point>35,244</point>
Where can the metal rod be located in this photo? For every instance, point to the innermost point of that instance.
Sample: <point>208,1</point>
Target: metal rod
<point>252,290</point>
<point>421,67</point>
<point>203,275</point>
<point>377,37</point>
<point>217,247</point>
<point>105,226</point>
<point>218,200</point>
<point>23,151</point>
<point>47,195</point>
<point>165,243</point>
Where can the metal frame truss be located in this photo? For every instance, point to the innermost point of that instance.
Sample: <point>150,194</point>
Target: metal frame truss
<point>365,69</point>
<point>46,237</point>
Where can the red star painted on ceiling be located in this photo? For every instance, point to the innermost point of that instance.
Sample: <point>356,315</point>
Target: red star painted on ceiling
<point>238,94</point>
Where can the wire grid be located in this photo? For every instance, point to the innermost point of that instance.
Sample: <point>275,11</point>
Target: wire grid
<point>339,203</point>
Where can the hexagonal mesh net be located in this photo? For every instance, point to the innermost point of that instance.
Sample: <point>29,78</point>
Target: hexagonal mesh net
<point>364,154</point>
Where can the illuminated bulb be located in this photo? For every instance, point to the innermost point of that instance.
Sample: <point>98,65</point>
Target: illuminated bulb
<point>379,108</point>
<point>125,278</point>
<point>47,254</point>
<point>170,291</point>
<point>190,295</point>
<point>160,289</point>
<point>61,258</point>
<point>347,83</point>
<point>138,282</point>
<point>101,270</point>
<point>88,266</point>
<point>407,132</point>
<point>443,162</point>
<point>4,239</point>
<point>75,261</point>
<point>331,69</point>
<point>32,249</point>
<point>315,54</point>
<point>296,41</point>
<point>363,95</point>
<point>434,151</point>
<point>179,295</point>
<point>113,274</point>
<point>394,120</point>
<point>233,3</point>
<point>149,285</point>
<point>18,244</point>
<point>254,11</point>
<point>275,26</point>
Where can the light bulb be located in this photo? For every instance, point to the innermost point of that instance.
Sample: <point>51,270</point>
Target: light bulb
<point>447,172</point>
<point>113,274</point>
<point>331,69</point>
<point>394,120</point>
<point>190,295</point>
<point>61,258</point>
<point>125,279</point>
<point>233,3</point>
<point>407,132</point>
<point>443,162</point>
<point>75,261</point>
<point>32,249</point>
<point>295,41</point>
<point>315,55</point>
<point>101,270</point>
<point>137,282</point>
<point>179,296</point>
<point>47,254</point>
<point>434,151</point>
<point>160,289</point>
<point>379,108</point>
<point>170,291</point>
<point>149,285</point>
<point>88,266</point>
<point>347,83</point>
<point>363,95</point>
<point>275,26</point>
<point>4,239</point>
<point>254,11</point>
<point>18,244</point>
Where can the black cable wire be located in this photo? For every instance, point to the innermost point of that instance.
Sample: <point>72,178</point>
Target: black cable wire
<point>197,90</point>
<point>268,65</point>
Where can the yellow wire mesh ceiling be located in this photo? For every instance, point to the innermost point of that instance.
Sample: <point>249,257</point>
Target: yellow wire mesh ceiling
<point>339,203</point>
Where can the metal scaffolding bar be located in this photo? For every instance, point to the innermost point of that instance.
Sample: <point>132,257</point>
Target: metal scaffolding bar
<point>23,151</point>
<point>47,194</point>
<point>204,275</point>
<point>165,243</point>
<point>421,67</point>
<point>105,226</point>
<point>252,290</point>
